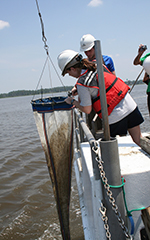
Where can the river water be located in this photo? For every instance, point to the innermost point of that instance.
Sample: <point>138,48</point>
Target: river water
<point>27,205</point>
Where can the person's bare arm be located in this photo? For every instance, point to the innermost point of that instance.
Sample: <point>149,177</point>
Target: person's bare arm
<point>85,109</point>
<point>146,78</point>
<point>74,91</point>
<point>137,61</point>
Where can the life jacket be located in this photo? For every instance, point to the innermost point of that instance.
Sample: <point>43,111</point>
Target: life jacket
<point>116,89</point>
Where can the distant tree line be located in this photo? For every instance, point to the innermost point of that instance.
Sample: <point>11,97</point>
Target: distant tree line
<point>35,92</point>
<point>50,90</point>
<point>129,82</point>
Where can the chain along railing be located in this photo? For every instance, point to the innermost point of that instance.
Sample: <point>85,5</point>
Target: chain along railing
<point>83,134</point>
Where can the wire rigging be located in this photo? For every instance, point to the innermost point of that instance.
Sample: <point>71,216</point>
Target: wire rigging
<point>42,26</point>
<point>44,39</point>
<point>41,76</point>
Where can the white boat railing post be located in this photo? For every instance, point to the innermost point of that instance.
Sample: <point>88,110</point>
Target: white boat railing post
<point>110,157</point>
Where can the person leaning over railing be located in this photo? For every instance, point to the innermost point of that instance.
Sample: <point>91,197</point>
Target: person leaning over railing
<point>123,113</point>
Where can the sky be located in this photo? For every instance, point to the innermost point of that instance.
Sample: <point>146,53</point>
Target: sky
<point>119,25</point>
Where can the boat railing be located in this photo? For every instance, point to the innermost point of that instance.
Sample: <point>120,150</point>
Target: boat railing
<point>88,178</point>
<point>87,150</point>
<point>84,134</point>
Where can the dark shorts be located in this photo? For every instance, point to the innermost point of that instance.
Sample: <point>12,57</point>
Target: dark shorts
<point>132,120</point>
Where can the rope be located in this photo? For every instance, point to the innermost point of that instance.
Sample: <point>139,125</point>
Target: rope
<point>119,186</point>
<point>128,212</point>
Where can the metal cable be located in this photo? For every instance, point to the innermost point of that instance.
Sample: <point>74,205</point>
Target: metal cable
<point>40,77</point>
<point>44,39</point>
<point>42,26</point>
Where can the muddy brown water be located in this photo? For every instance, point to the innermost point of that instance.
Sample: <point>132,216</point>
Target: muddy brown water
<point>27,204</point>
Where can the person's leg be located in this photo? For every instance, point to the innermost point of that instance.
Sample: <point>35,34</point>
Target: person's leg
<point>148,102</point>
<point>135,133</point>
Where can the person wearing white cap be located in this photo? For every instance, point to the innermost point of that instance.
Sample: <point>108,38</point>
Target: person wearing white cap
<point>87,46</point>
<point>123,113</point>
<point>145,62</point>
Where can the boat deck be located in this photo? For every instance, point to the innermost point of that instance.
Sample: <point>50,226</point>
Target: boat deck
<point>135,169</point>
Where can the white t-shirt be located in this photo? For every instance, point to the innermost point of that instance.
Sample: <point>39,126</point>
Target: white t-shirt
<point>124,108</point>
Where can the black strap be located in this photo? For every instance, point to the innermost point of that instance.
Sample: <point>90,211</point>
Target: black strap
<point>113,83</point>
